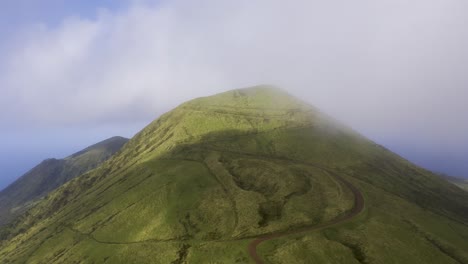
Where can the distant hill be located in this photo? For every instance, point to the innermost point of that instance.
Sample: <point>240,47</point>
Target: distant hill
<point>247,176</point>
<point>460,182</point>
<point>52,173</point>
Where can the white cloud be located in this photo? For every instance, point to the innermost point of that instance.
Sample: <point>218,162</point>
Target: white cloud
<point>385,67</point>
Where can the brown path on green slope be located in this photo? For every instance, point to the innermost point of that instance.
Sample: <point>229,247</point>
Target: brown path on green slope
<point>358,207</point>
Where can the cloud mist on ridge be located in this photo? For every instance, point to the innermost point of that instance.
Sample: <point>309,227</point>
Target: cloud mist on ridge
<point>392,69</point>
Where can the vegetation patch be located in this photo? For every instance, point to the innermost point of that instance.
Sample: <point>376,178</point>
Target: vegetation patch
<point>182,254</point>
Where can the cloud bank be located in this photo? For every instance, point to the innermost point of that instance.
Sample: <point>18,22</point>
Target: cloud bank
<point>393,69</point>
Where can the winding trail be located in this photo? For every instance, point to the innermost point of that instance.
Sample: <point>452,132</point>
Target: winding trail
<point>252,247</point>
<point>358,207</point>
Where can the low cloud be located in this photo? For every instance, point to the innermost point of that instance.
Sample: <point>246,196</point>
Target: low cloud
<point>393,69</point>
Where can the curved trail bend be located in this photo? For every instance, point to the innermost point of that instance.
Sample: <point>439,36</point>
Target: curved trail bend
<point>357,208</point>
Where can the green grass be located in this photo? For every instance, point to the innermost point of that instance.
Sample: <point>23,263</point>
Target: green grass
<point>198,184</point>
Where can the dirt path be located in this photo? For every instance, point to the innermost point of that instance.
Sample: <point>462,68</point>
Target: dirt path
<point>358,207</point>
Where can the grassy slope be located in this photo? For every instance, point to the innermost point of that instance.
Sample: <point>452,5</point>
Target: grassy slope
<point>200,182</point>
<point>52,173</point>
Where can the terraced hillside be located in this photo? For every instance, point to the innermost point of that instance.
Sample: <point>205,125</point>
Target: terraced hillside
<point>50,174</point>
<point>250,175</point>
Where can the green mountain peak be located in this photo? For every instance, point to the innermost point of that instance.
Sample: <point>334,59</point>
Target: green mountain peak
<point>247,176</point>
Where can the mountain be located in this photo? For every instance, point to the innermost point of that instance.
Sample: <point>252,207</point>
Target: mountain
<point>50,174</point>
<point>247,176</point>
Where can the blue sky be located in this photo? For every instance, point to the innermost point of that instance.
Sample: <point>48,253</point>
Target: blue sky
<point>21,13</point>
<point>76,72</point>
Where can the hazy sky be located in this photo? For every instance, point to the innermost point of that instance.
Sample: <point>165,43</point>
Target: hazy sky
<point>72,74</point>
